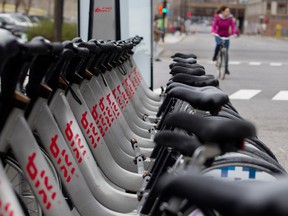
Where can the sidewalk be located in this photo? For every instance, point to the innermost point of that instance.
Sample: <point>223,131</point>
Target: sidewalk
<point>170,39</point>
<point>161,69</point>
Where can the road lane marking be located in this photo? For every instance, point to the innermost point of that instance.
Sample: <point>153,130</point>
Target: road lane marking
<point>234,62</point>
<point>254,63</point>
<point>273,64</point>
<point>281,95</point>
<point>276,64</point>
<point>244,94</point>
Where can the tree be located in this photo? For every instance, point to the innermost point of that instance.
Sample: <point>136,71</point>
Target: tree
<point>28,7</point>
<point>58,19</point>
<point>3,6</point>
<point>17,4</point>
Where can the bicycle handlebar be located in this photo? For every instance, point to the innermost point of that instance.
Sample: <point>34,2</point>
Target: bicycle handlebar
<point>224,38</point>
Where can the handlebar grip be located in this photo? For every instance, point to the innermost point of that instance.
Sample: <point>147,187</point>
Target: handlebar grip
<point>56,47</point>
<point>106,47</point>
<point>92,47</point>
<point>37,46</point>
<point>80,51</point>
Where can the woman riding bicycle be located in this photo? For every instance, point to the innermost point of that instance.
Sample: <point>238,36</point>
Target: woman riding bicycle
<point>223,25</point>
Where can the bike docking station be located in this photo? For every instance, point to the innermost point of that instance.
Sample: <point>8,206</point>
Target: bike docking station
<point>82,133</point>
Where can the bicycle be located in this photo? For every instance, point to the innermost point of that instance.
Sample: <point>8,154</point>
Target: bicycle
<point>110,92</point>
<point>222,57</point>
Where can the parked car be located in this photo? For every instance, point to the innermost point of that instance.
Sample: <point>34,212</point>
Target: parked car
<point>18,19</point>
<point>17,28</point>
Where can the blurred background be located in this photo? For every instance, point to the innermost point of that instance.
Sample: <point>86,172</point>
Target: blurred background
<point>54,19</point>
<point>57,19</point>
<point>264,17</point>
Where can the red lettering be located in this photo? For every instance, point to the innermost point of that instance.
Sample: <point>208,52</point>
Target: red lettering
<point>110,115</point>
<point>113,105</point>
<point>68,131</point>
<point>101,104</point>
<point>54,147</point>
<point>31,167</point>
<point>124,97</point>
<point>84,121</point>
<point>94,112</point>
<point>66,157</point>
<point>46,180</point>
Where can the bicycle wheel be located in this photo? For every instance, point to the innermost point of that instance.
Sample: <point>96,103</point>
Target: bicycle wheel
<point>223,60</point>
<point>243,168</point>
<point>21,187</point>
<point>219,64</point>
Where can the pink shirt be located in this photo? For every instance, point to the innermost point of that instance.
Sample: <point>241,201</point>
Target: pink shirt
<point>223,26</point>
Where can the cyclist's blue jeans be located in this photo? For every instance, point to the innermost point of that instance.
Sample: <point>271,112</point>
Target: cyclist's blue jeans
<point>217,48</point>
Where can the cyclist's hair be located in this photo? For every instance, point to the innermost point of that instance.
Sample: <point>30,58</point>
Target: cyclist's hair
<point>221,9</point>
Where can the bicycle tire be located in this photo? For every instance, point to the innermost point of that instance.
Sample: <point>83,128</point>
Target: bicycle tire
<point>21,187</point>
<point>223,59</point>
<point>253,151</point>
<point>28,194</point>
<point>260,145</point>
<point>219,64</point>
<point>246,162</point>
<point>22,204</point>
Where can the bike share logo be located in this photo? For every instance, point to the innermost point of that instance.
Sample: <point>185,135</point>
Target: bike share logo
<point>103,9</point>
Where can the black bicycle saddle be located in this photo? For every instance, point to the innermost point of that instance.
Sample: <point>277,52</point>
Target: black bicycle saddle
<point>185,60</point>
<point>183,55</point>
<point>227,133</point>
<point>174,64</point>
<point>192,71</point>
<point>208,98</point>
<point>198,81</point>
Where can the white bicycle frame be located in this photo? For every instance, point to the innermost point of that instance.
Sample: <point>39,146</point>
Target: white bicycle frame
<point>69,124</point>
<point>17,135</point>
<point>120,149</point>
<point>96,83</point>
<point>87,201</point>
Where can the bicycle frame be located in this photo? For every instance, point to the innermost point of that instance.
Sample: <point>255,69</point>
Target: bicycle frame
<point>221,58</point>
<point>17,133</point>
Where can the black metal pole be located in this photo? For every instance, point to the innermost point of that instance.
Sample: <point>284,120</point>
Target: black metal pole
<point>151,37</point>
<point>117,20</point>
<point>91,18</point>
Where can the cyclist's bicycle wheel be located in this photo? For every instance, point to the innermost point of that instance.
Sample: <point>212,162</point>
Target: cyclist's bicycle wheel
<point>220,63</point>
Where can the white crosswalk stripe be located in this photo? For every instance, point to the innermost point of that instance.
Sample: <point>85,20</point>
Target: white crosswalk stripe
<point>247,94</point>
<point>272,64</point>
<point>282,95</point>
<point>277,64</point>
<point>234,62</point>
<point>254,63</point>
<point>244,94</point>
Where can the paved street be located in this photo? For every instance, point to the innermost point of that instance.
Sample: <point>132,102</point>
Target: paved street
<point>257,85</point>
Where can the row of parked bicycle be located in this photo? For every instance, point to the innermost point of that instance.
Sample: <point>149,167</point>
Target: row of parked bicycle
<point>82,134</point>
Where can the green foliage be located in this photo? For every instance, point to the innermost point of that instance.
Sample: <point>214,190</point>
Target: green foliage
<point>69,31</point>
<point>46,29</point>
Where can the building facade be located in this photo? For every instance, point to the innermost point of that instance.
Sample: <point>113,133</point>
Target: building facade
<point>265,17</point>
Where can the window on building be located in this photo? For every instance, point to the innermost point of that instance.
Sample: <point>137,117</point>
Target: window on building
<point>268,6</point>
<point>282,8</point>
